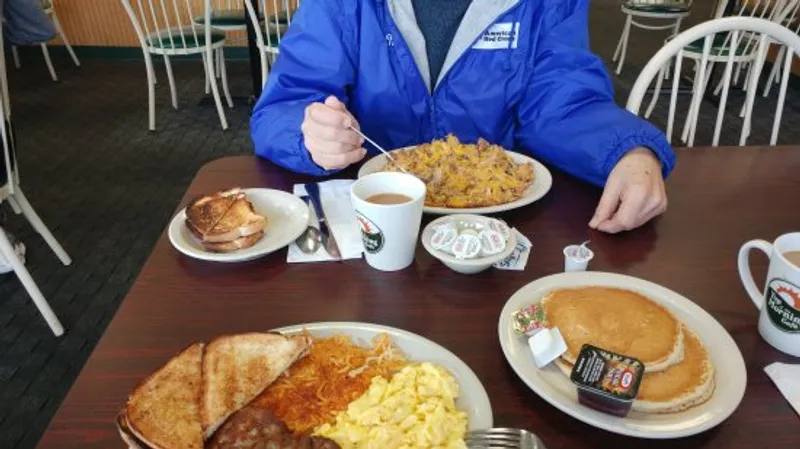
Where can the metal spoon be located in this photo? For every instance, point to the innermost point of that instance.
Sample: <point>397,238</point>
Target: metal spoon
<point>380,148</point>
<point>310,240</point>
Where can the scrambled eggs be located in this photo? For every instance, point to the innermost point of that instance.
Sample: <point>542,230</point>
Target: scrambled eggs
<point>461,175</point>
<point>416,409</point>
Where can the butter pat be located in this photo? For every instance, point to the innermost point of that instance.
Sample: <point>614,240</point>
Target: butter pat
<point>546,346</point>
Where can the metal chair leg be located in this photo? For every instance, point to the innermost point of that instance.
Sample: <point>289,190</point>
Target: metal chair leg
<point>39,226</point>
<point>7,250</point>
<point>224,70</point>
<point>48,62</point>
<point>625,34</point>
<point>172,90</point>
<point>215,91</point>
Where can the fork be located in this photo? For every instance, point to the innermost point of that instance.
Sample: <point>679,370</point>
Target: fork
<point>503,438</point>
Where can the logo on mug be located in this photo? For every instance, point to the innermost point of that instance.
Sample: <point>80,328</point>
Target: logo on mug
<point>371,234</point>
<point>783,305</point>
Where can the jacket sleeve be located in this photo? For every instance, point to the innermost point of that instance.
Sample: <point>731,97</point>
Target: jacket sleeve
<point>316,60</point>
<point>568,116</point>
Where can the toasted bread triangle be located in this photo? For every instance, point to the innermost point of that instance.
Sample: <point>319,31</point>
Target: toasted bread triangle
<point>163,410</point>
<point>240,220</point>
<point>205,212</point>
<point>237,368</point>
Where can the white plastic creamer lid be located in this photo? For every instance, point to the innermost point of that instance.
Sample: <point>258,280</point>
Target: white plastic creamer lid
<point>577,257</point>
<point>546,346</point>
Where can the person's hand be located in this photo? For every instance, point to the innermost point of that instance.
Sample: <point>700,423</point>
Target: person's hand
<point>328,137</point>
<point>634,193</point>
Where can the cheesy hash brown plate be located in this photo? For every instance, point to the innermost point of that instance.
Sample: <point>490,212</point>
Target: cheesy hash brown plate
<point>459,175</point>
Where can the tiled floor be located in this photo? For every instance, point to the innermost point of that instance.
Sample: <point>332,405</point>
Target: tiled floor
<point>107,187</point>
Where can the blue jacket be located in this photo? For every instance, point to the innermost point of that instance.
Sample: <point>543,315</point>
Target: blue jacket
<point>519,73</point>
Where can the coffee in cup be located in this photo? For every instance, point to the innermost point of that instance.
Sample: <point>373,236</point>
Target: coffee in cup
<point>779,302</point>
<point>388,209</point>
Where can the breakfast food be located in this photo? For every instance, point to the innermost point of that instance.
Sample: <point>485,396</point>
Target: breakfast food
<point>173,406</point>
<point>225,221</point>
<point>624,352</point>
<point>416,408</point>
<point>335,373</point>
<point>465,175</point>
<point>238,368</point>
<point>163,411</point>
<point>263,390</point>
<point>616,320</point>
<point>256,428</point>
<point>682,386</point>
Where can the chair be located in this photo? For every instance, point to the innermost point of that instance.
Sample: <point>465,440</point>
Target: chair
<point>48,7</point>
<point>736,30</point>
<point>670,11</point>
<point>277,19</point>
<point>226,16</point>
<point>11,192</point>
<point>718,50</point>
<point>793,21</point>
<point>167,28</point>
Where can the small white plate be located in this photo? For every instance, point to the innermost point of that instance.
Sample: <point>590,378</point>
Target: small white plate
<point>287,218</point>
<point>554,387</point>
<point>473,398</point>
<point>465,266</point>
<point>542,182</point>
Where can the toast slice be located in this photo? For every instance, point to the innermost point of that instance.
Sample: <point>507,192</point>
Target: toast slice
<point>240,220</point>
<point>237,368</point>
<point>126,434</point>
<point>234,245</point>
<point>203,213</point>
<point>162,412</point>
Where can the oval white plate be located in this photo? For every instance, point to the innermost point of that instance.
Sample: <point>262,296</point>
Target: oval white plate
<point>473,398</point>
<point>556,388</point>
<point>542,182</point>
<point>287,218</point>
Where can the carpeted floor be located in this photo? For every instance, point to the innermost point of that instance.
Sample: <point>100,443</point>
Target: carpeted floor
<point>107,187</point>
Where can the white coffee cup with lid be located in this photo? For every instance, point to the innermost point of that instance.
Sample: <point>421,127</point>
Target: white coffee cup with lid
<point>779,302</point>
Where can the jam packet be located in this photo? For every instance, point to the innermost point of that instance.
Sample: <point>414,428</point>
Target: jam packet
<point>607,381</point>
<point>529,320</point>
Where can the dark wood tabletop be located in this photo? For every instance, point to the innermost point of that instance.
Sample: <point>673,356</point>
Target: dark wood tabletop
<point>718,199</point>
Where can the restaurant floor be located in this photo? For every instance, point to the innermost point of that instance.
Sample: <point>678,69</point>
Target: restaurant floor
<point>107,188</point>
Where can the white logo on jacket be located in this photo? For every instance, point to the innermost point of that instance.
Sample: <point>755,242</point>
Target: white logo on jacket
<point>499,36</point>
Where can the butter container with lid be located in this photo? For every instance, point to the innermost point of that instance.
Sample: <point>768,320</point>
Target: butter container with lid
<point>607,381</point>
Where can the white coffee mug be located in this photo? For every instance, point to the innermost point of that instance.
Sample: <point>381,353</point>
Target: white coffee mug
<point>779,322</point>
<point>389,231</point>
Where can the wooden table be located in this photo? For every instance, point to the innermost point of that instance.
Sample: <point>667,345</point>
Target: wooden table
<point>719,198</point>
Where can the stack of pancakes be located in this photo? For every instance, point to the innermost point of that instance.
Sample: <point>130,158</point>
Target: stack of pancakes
<point>678,371</point>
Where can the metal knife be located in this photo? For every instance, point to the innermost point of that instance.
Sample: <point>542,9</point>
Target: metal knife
<point>328,240</point>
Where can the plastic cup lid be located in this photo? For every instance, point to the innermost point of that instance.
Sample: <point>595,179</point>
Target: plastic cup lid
<point>579,253</point>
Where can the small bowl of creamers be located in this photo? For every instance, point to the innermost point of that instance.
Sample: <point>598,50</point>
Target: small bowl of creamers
<point>468,244</point>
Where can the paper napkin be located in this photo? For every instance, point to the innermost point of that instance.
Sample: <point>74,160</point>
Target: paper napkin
<point>787,379</point>
<point>341,219</point>
<point>519,257</point>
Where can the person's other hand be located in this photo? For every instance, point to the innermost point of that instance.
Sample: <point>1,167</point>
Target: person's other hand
<point>634,193</point>
<point>328,137</point>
